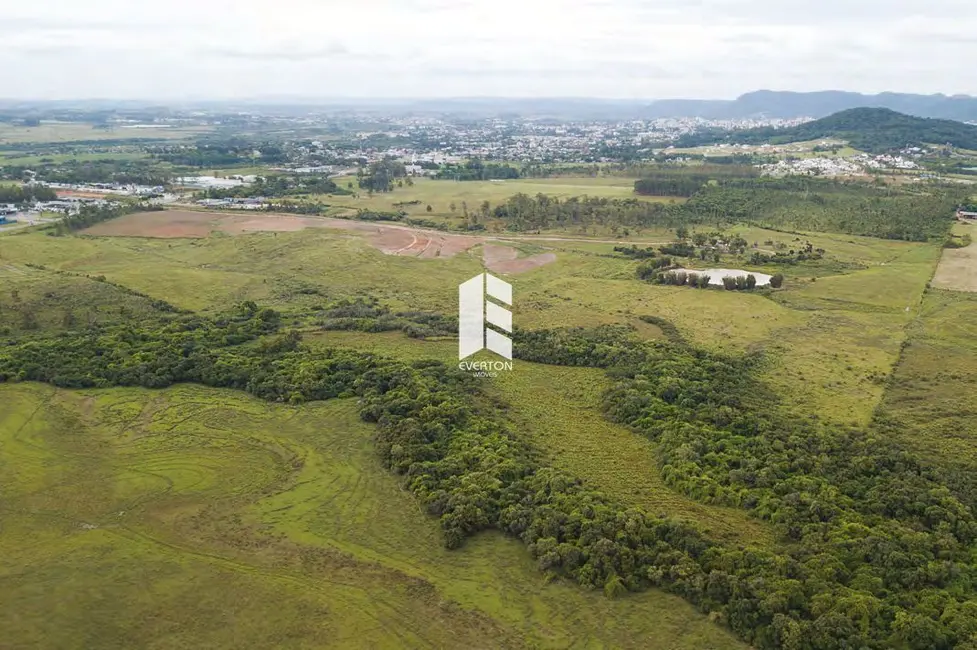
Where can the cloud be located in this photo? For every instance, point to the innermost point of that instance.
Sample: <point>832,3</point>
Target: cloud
<point>284,52</point>
<point>611,48</point>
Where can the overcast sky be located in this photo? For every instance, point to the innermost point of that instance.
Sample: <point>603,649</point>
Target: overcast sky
<point>515,48</point>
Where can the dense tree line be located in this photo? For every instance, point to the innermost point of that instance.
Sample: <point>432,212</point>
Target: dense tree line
<point>381,175</point>
<point>477,170</point>
<point>278,186</point>
<point>522,212</point>
<point>880,553</point>
<point>827,206</point>
<point>221,153</point>
<point>124,172</point>
<point>800,204</point>
<point>22,194</point>
<point>368,315</point>
<point>636,253</point>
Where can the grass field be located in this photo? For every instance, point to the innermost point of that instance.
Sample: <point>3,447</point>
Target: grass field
<point>958,266</point>
<point>161,519</point>
<point>931,400</point>
<point>173,515</point>
<point>440,194</point>
<point>15,158</point>
<point>830,336</point>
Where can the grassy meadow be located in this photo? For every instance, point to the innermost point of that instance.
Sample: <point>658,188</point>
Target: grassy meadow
<point>829,337</point>
<point>931,403</point>
<point>205,517</point>
<point>138,518</point>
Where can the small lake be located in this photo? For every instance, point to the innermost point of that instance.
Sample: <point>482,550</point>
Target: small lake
<point>716,275</point>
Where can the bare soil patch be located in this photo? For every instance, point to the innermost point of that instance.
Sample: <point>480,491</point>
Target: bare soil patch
<point>504,259</point>
<point>957,269</point>
<point>521,265</point>
<point>388,238</point>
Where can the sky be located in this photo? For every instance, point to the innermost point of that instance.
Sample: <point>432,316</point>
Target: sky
<point>220,49</point>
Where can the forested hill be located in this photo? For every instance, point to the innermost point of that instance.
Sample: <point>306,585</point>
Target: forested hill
<point>875,130</point>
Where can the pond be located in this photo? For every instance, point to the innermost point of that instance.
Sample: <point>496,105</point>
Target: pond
<point>716,275</point>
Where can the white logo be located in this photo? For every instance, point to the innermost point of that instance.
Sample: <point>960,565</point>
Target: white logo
<point>474,311</point>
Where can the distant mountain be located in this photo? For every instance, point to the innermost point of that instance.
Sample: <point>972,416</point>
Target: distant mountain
<point>875,130</point>
<point>759,104</point>
<point>787,105</point>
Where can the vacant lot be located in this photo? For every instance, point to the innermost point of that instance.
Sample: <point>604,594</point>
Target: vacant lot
<point>391,239</point>
<point>958,266</point>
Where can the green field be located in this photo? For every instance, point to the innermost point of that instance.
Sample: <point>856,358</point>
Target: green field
<point>440,194</point>
<point>15,158</point>
<point>830,336</point>
<point>204,517</point>
<point>190,515</point>
<point>931,403</point>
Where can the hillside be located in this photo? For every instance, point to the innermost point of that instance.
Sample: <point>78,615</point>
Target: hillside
<point>875,130</point>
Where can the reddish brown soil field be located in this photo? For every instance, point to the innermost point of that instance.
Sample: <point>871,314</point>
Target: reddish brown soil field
<point>391,239</point>
<point>514,267</point>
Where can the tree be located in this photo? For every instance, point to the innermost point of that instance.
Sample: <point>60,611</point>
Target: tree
<point>429,208</point>
<point>777,281</point>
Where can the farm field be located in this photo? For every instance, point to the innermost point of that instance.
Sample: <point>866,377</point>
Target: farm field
<point>161,518</point>
<point>52,132</point>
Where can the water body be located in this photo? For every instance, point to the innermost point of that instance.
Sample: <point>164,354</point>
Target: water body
<point>716,275</point>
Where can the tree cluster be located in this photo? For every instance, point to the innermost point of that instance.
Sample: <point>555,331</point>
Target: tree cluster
<point>381,175</point>
<point>477,170</point>
<point>25,194</point>
<point>278,186</point>
<point>368,315</point>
